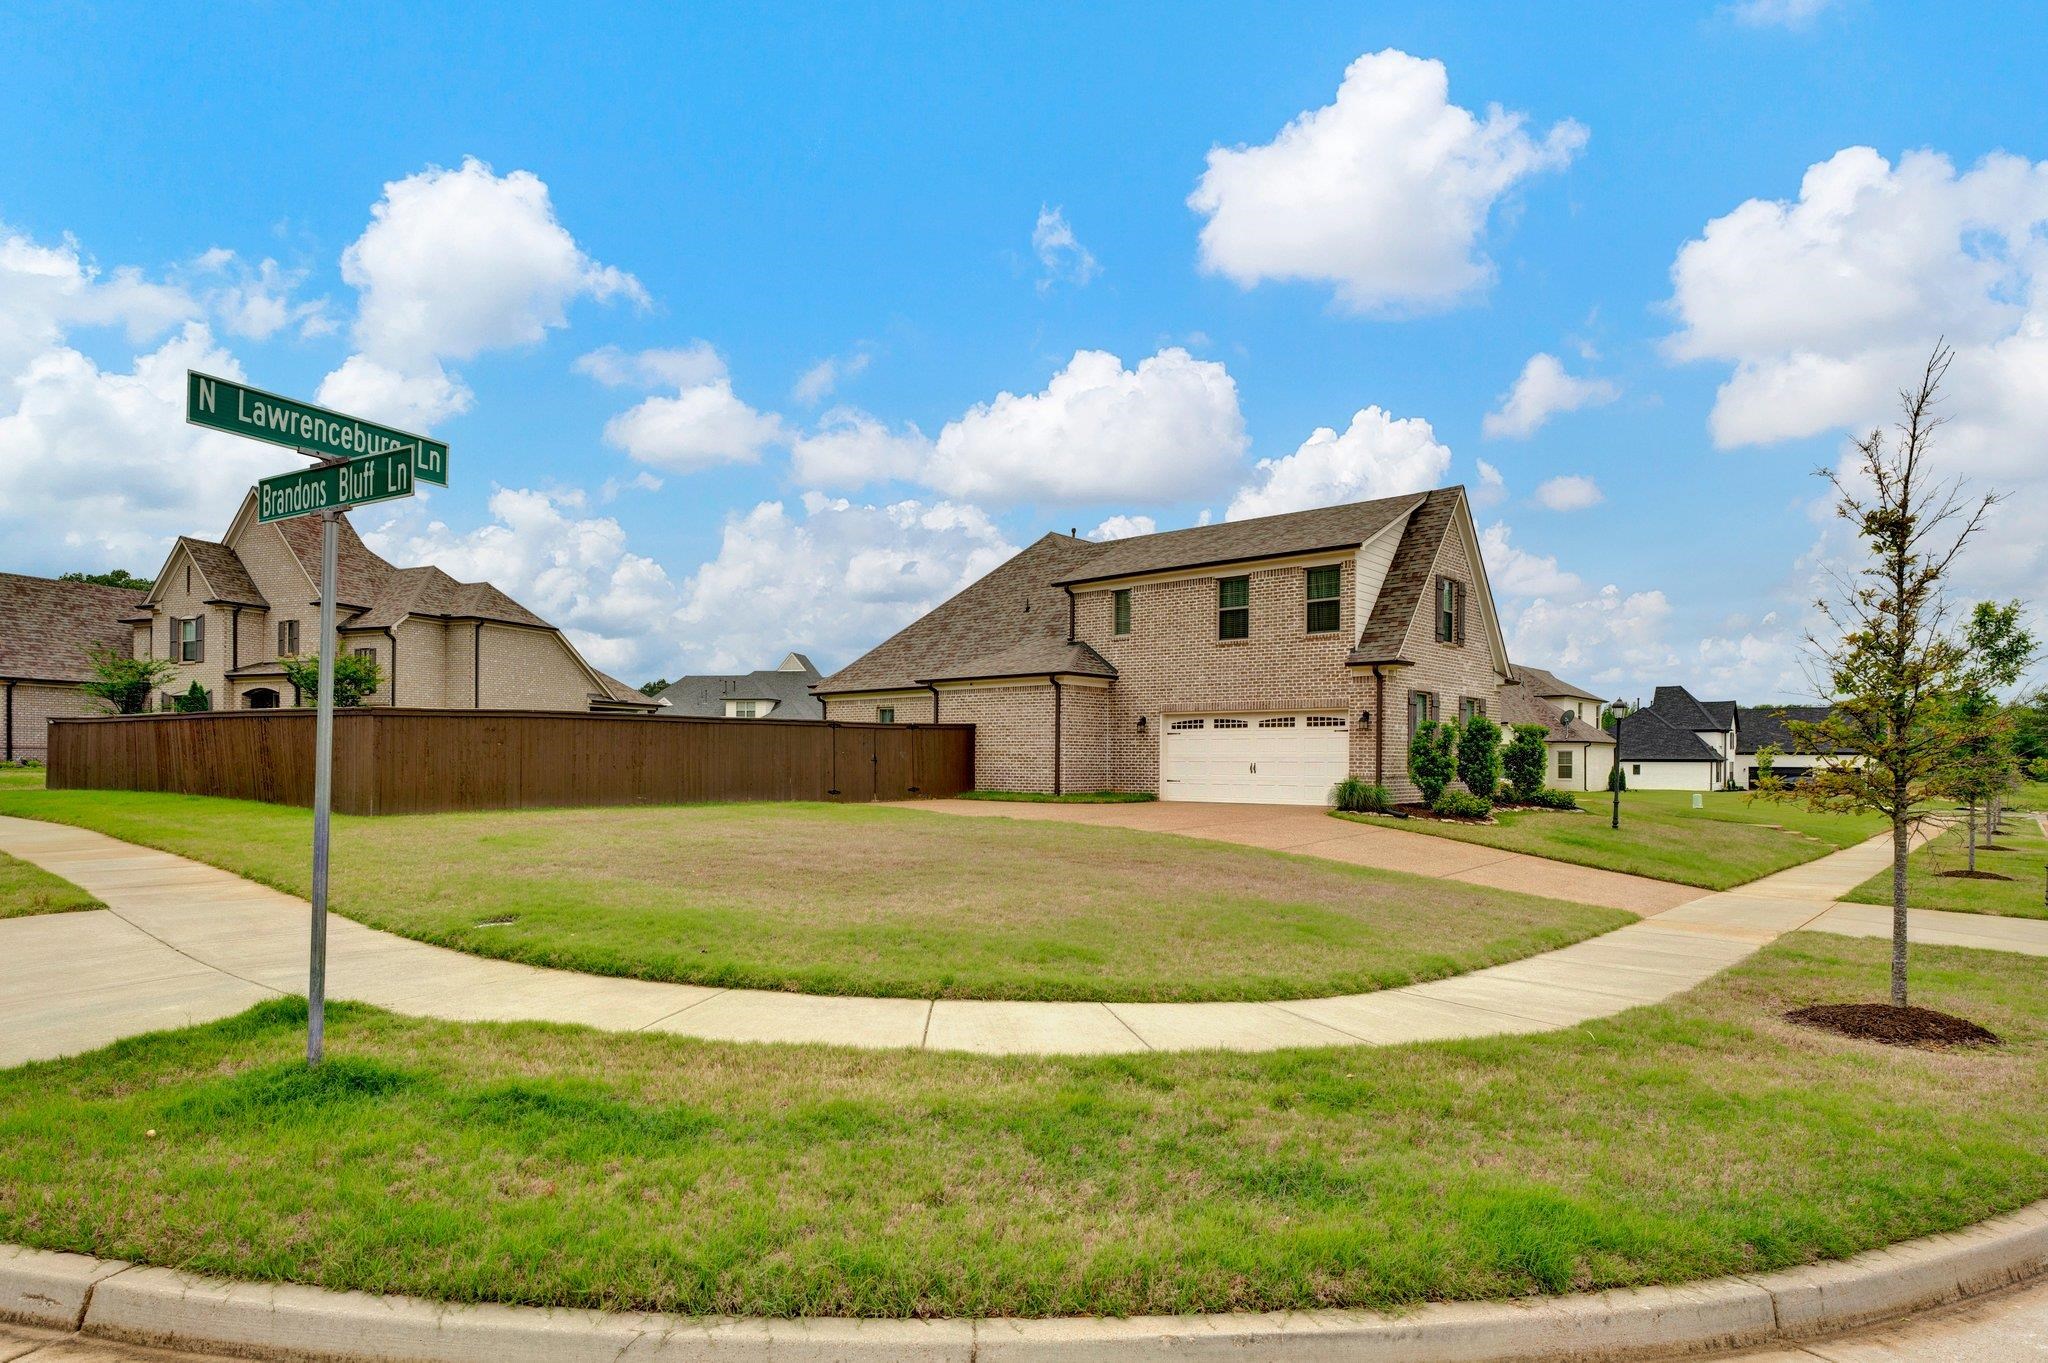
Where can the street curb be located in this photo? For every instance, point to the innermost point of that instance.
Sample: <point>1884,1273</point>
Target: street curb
<point>114,1300</point>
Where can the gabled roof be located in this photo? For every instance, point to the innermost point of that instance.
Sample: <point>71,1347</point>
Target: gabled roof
<point>1521,703</point>
<point>48,628</point>
<point>1031,658</point>
<point>1019,602</point>
<point>1722,712</point>
<point>1407,577</point>
<point>1676,706</point>
<point>1293,532</point>
<point>428,591</point>
<point>227,577</point>
<point>1646,736</point>
<point>1542,683</point>
<point>616,692</point>
<point>1764,725</point>
<point>794,661</point>
<point>789,688</point>
<point>361,576</point>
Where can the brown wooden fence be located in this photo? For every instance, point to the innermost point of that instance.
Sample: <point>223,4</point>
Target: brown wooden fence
<point>403,761</point>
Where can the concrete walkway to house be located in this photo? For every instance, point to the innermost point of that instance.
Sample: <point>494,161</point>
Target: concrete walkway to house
<point>181,942</point>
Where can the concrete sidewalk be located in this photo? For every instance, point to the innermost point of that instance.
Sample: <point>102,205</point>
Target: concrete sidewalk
<point>182,942</point>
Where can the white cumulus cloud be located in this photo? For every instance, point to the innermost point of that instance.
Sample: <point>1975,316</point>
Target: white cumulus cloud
<point>1541,391</point>
<point>822,379</point>
<point>850,448</point>
<point>704,423</point>
<point>1824,306</point>
<point>1384,194</point>
<point>1123,528</point>
<point>1569,492</point>
<point>1518,572</point>
<point>1377,456</point>
<point>1097,432</point>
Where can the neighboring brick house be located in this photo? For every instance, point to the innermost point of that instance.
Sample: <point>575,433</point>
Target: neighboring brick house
<point>1258,660</point>
<point>783,691</point>
<point>48,632</point>
<point>225,612</point>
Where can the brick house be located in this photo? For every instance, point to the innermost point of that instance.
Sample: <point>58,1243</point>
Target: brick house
<point>48,632</point>
<point>1258,660</point>
<point>226,611</point>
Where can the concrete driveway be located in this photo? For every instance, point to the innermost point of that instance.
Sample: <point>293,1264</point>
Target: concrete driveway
<point>1312,832</point>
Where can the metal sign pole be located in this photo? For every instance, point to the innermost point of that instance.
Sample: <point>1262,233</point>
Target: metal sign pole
<point>323,789</point>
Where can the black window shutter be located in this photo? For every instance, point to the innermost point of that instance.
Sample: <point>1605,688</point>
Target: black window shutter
<point>1458,608</point>
<point>199,639</point>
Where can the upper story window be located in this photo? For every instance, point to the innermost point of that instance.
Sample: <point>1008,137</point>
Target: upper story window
<point>188,640</point>
<point>1120,608</point>
<point>885,715</point>
<point>1324,606</point>
<point>744,709</point>
<point>287,638</point>
<point>1450,611</point>
<point>1233,608</point>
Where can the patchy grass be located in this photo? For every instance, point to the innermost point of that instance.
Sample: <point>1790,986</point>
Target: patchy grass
<point>552,1165</point>
<point>1072,797</point>
<point>2024,858</point>
<point>26,890</point>
<point>14,776</point>
<point>1730,842</point>
<point>862,899</point>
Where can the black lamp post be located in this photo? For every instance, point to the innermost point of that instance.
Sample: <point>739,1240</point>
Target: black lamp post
<point>1614,774</point>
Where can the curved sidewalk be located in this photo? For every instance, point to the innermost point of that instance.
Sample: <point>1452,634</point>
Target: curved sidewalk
<point>181,942</point>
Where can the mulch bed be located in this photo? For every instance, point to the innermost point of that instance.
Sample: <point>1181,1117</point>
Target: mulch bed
<point>1893,1026</point>
<point>1971,875</point>
<point>1415,811</point>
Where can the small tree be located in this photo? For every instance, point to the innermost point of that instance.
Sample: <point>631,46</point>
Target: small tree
<point>1526,757</point>
<point>1766,766</point>
<point>356,678</point>
<point>655,687</point>
<point>122,684</point>
<point>1432,759</point>
<point>1884,745</point>
<point>2001,649</point>
<point>1479,756</point>
<point>194,700</point>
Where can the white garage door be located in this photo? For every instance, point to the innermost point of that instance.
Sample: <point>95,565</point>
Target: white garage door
<point>1254,759</point>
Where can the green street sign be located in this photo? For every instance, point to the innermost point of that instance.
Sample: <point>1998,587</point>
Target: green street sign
<point>224,405</point>
<point>372,478</point>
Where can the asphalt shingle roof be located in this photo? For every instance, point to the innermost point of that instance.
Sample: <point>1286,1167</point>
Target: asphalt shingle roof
<point>224,572</point>
<point>1294,532</point>
<point>49,628</point>
<point>1675,705</point>
<point>1520,703</point>
<point>1407,576</point>
<point>1646,736</point>
<point>1760,725</point>
<point>705,697</point>
<point>1542,683</point>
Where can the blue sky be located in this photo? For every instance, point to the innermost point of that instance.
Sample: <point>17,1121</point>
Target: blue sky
<point>750,192</point>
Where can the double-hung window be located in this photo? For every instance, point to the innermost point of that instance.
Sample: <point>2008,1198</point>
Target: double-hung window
<point>744,709</point>
<point>1421,710</point>
<point>188,640</point>
<point>1323,604</point>
<point>1233,608</point>
<point>1120,606</point>
<point>1468,707</point>
<point>287,638</point>
<point>1564,764</point>
<point>1450,611</point>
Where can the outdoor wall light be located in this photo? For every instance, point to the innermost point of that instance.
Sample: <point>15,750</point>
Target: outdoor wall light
<point>1141,724</point>
<point>1365,719</point>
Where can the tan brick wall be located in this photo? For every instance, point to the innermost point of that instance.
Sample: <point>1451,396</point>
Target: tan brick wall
<point>1172,662</point>
<point>1450,671</point>
<point>184,596</point>
<point>379,646</point>
<point>35,705</point>
<point>423,647</point>
<point>912,707</point>
<point>530,669</point>
<point>275,571</point>
<point>1012,733</point>
<point>1084,737</point>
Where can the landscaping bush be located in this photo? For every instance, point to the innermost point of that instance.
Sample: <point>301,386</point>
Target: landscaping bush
<point>193,702</point>
<point>1553,799</point>
<point>1354,795</point>
<point>1616,780</point>
<point>1479,755</point>
<point>1433,758</point>
<point>1525,759</point>
<point>1457,804</point>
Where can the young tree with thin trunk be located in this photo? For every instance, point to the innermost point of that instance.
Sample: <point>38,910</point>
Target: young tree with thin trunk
<point>2001,650</point>
<point>1897,664</point>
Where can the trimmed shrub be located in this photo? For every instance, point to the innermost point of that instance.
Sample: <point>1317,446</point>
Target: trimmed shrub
<point>1355,795</point>
<point>1553,799</point>
<point>193,701</point>
<point>1457,804</point>
<point>1525,759</point>
<point>1615,779</point>
<point>1479,755</point>
<point>1433,758</point>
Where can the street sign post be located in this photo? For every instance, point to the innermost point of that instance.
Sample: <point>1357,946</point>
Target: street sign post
<point>224,405</point>
<point>371,478</point>
<point>359,462</point>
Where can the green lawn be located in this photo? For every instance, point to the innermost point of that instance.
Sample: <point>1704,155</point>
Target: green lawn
<point>862,899</point>
<point>26,889</point>
<point>1729,842</point>
<point>538,1164</point>
<point>2023,858</point>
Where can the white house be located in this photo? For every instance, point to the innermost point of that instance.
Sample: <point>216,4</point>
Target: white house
<point>1678,743</point>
